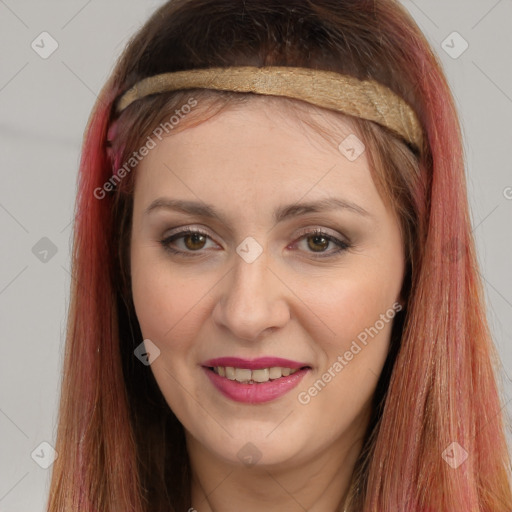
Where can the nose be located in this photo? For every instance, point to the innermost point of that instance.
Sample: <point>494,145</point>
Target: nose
<point>253,301</point>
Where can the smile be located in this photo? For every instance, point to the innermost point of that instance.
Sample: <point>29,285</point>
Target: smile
<point>245,375</point>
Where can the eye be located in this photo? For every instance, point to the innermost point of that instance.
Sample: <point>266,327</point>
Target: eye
<point>318,241</point>
<point>192,240</point>
<point>188,241</point>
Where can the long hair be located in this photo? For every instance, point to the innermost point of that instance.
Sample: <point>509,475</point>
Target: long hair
<point>120,446</point>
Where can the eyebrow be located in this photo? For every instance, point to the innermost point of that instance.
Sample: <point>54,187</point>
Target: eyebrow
<point>280,214</point>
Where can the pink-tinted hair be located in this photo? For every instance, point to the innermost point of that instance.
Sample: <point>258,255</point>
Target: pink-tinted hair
<point>118,442</point>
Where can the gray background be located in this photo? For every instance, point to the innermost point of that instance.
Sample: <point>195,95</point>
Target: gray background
<point>44,105</point>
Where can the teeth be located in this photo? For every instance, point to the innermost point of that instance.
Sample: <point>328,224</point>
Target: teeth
<point>245,375</point>
<point>275,373</point>
<point>242,375</point>
<point>262,375</point>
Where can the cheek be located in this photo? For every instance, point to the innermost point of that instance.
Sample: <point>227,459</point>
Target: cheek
<point>350,304</point>
<point>167,306</point>
<point>358,306</point>
<point>152,300</point>
<point>360,312</point>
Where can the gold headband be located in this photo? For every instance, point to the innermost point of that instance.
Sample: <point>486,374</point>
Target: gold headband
<point>365,99</point>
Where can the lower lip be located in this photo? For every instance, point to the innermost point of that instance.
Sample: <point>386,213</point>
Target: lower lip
<point>255,393</point>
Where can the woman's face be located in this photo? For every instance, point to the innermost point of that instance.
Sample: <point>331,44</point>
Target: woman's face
<point>296,258</point>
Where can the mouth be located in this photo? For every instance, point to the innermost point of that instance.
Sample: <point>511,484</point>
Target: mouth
<point>255,376</point>
<point>254,381</point>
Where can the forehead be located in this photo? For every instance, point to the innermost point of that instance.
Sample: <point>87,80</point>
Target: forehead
<point>269,121</point>
<point>290,113</point>
<point>263,148</point>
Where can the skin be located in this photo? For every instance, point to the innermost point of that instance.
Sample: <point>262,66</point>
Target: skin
<point>247,161</point>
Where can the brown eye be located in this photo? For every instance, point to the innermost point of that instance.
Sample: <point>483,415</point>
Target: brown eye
<point>194,241</point>
<point>322,243</point>
<point>187,241</point>
<point>318,243</point>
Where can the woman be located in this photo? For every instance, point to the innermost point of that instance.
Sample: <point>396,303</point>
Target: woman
<point>276,300</point>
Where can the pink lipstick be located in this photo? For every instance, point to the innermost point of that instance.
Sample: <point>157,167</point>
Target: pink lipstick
<point>254,381</point>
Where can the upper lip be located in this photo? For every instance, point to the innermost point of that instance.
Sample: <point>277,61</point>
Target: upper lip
<point>254,364</point>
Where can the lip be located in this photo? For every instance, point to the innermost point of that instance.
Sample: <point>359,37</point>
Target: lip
<point>260,392</point>
<point>254,364</point>
<point>255,393</point>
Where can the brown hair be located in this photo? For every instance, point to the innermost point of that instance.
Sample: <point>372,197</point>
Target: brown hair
<point>120,445</point>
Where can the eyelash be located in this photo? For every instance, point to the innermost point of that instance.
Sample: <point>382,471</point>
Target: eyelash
<point>342,245</point>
